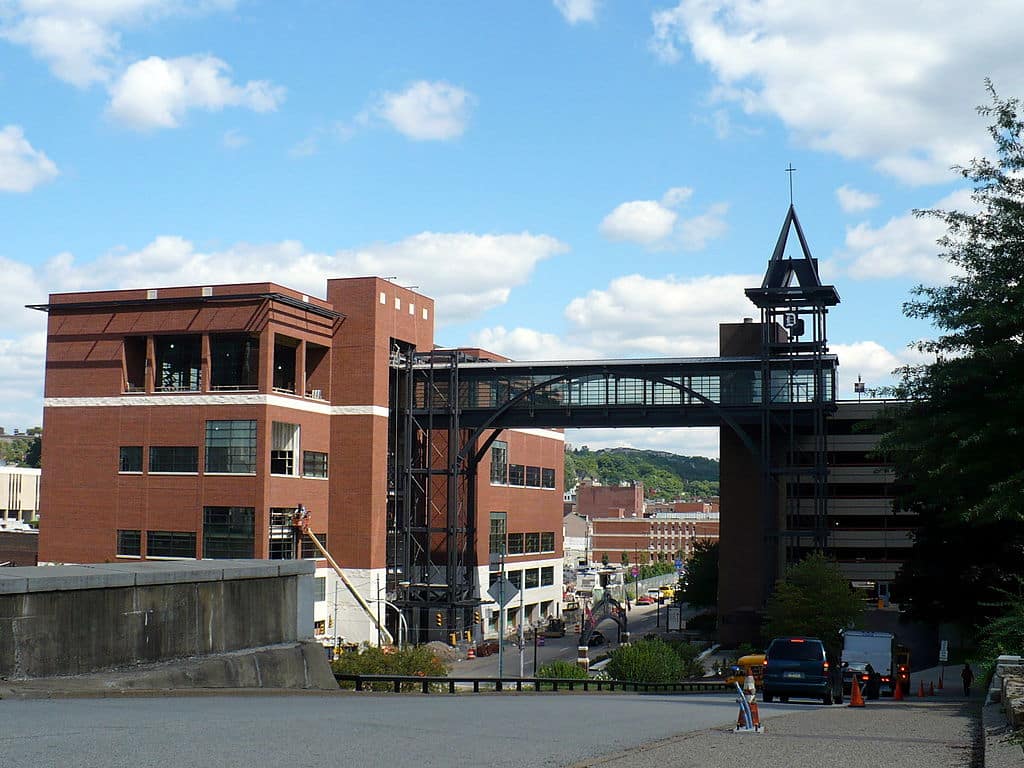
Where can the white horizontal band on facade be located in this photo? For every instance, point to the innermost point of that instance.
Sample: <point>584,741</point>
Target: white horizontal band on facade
<point>216,399</point>
<point>550,434</point>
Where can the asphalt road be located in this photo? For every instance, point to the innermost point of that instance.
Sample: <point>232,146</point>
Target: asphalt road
<point>365,730</point>
<point>642,620</point>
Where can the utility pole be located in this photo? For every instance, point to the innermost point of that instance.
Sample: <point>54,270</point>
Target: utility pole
<point>522,619</point>
<point>501,614</point>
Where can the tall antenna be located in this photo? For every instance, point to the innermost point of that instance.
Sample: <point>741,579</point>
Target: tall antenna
<point>790,170</point>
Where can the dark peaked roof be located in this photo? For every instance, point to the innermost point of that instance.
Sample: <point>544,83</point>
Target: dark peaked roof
<point>791,281</point>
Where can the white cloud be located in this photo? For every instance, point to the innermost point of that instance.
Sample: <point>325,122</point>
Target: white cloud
<point>81,39</point>
<point>639,221</point>
<point>234,139</point>
<point>694,441</point>
<point>905,246</point>
<point>854,201</point>
<point>156,92</point>
<point>577,10</point>
<point>21,386</point>
<point>427,111</point>
<point>872,362</point>
<point>528,344</point>
<point>675,317</point>
<point>862,78</point>
<point>694,233</point>
<point>653,223</point>
<point>22,167</point>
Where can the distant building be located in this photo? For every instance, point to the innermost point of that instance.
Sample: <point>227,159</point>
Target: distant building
<point>576,542</point>
<point>594,500</point>
<point>19,504</point>
<point>663,537</point>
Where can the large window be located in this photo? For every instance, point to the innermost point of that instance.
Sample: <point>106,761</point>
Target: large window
<point>547,576</point>
<point>129,543</point>
<point>174,458</point>
<point>314,464</point>
<point>171,544</point>
<point>130,459</point>
<point>547,478</point>
<point>497,537</point>
<point>228,532</point>
<point>533,477</point>
<point>516,474</point>
<point>499,462</point>
<point>282,535</point>
<point>234,362</point>
<point>284,363</point>
<point>532,542</point>
<point>308,550</point>
<point>515,543</point>
<point>532,579</point>
<point>231,447</point>
<point>284,449</point>
<point>547,541</point>
<point>319,589</point>
<point>178,363</point>
<point>515,578</point>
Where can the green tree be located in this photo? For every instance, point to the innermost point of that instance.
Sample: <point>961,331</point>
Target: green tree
<point>814,599</point>
<point>604,559</point>
<point>700,581</point>
<point>957,441</point>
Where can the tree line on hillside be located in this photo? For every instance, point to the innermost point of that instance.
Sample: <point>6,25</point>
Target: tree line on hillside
<point>664,475</point>
<point>22,451</point>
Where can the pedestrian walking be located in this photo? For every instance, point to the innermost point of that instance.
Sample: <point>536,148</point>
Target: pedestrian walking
<point>968,677</point>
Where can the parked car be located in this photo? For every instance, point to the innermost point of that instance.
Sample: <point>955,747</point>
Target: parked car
<point>799,667</point>
<point>596,638</point>
<point>858,669</point>
<point>487,648</point>
<point>645,600</point>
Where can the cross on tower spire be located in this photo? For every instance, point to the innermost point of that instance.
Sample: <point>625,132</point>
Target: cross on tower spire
<point>790,170</point>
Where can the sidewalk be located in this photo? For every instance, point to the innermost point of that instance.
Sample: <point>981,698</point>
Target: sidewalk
<point>940,731</point>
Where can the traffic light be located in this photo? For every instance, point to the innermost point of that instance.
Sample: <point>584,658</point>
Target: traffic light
<point>439,619</point>
<point>476,617</point>
<point>468,635</point>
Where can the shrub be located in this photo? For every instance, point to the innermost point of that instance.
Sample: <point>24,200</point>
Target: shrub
<point>563,670</point>
<point>688,653</point>
<point>370,660</point>
<point>648,661</point>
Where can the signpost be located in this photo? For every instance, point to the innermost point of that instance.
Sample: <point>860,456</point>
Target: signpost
<point>943,658</point>
<point>504,592</point>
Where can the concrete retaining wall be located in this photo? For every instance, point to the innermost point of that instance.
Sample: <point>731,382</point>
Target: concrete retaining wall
<point>74,620</point>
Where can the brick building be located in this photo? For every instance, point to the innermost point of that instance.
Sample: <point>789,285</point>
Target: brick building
<point>665,536</point>
<point>201,417</point>
<point>595,500</point>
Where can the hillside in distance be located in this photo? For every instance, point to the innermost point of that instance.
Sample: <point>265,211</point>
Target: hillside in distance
<point>664,475</point>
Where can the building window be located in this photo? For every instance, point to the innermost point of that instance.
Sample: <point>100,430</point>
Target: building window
<point>129,543</point>
<point>228,532</point>
<point>499,462</point>
<point>284,448</point>
<point>282,535</point>
<point>178,363</point>
<point>319,589</point>
<point>284,364</point>
<point>547,478</point>
<point>231,447</point>
<point>497,537</point>
<point>532,542</point>
<point>532,580</point>
<point>234,362</point>
<point>308,550</point>
<point>547,576</point>
<point>135,363</point>
<point>533,477</point>
<point>515,543</point>
<point>171,544</point>
<point>174,458</point>
<point>131,458</point>
<point>515,578</point>
<point>516,474</point>
<point>547,541</point>
<point>314,464</point>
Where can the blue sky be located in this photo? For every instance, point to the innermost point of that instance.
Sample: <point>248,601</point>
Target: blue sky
<point>567,178</point>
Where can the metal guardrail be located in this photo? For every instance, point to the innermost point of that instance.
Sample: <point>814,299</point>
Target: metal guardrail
<point>547,684</point>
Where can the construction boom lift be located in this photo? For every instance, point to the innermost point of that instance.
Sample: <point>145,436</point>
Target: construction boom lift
<point>300,521</point>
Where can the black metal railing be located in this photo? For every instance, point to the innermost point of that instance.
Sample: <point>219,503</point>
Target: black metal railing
<point>417,684</point>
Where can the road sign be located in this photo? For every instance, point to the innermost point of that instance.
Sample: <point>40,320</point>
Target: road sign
<point>503,591</point>
<point>636,571</point>
<point>679,564</point>
<point>944,650</point>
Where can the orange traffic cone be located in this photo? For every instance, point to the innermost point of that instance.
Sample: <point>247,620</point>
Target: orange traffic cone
<point>920,690</point>
<point>856,700</point>
<point>940,680</point>
<point>471,653</point>
<point>754,717</point>
<point>897,694</point>
<point>931,688</point>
